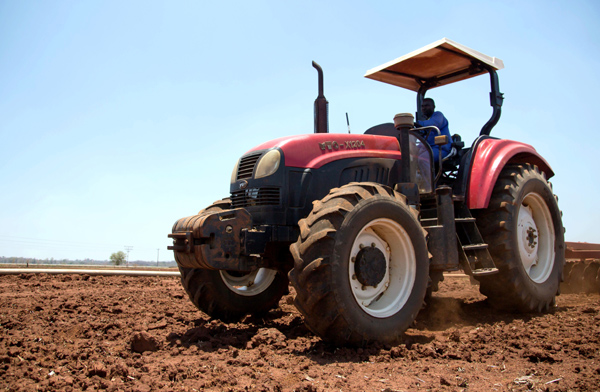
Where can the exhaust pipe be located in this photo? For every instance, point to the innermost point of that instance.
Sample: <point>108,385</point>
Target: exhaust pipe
<point>321,105</point>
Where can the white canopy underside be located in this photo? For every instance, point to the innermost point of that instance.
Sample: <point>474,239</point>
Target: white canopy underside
<point>443,61</point>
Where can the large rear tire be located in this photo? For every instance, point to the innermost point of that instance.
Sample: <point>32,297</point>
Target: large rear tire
<point>360,265</point>
<point>524,230</point>
<point>230,295</point>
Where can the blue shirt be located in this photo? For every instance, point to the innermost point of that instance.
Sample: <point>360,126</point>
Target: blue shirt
<point>437,119</point>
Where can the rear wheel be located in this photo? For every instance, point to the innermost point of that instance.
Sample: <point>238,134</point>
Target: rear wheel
<point>524,230</point>
<point>230,295</point>
<point>360,265</point>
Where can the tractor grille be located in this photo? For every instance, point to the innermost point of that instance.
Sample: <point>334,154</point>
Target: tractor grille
<point>246,167</point>
<point>267,196</point>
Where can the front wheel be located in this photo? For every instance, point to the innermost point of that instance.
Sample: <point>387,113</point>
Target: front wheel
<point>524,230</point>
<point>360,265</point>
<point>230,295</point>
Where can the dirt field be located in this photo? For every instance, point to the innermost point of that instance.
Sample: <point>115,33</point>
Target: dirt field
<point>78,332</point>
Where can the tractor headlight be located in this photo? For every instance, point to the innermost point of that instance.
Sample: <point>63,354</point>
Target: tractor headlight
<point>268,164</point>
<point>234,173</point>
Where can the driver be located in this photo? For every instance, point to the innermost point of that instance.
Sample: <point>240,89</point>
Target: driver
<point>436,119</point>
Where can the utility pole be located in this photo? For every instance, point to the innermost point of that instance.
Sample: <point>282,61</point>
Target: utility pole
<point>128,248</point>
<point>157,253</point>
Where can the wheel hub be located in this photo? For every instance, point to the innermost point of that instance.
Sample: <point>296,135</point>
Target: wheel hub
<point>370,266</point>
<point>248,284</point>
<point>535,234</point>
<point>528,235</point>
<point>382,268</point>
<point>531,237</point>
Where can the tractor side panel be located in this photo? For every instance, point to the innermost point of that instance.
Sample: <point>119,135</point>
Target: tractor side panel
<point>308,185</point>
<point>490,157</point>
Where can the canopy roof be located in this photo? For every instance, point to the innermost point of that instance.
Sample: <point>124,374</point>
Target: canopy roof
<point>437,64</point>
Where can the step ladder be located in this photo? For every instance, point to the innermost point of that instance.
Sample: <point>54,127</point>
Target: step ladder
<point>474,254</point>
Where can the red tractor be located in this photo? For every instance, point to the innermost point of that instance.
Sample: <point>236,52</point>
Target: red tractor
<point>365,225</point>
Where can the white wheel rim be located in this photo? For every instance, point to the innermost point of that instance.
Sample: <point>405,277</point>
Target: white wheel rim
<point>535,235</point>
<point>391,294</point>
<point>250,284</point>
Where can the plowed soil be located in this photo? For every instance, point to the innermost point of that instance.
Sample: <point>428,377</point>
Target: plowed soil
<point>113,333</point>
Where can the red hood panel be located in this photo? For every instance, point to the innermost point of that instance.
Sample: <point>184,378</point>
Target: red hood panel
<point>317,149</point>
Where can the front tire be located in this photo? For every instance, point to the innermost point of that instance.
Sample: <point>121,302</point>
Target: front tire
<point>360,265</point>
<point>524,230</point>
<point>230,295</point>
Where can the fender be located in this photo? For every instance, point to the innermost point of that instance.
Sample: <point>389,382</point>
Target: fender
<point>490,157</point>
<point>312,151</point>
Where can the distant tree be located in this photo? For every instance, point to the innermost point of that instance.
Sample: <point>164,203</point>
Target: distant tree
<point>118,258</point>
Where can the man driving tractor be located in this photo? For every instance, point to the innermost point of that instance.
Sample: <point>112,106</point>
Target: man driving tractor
<point>438,120</point>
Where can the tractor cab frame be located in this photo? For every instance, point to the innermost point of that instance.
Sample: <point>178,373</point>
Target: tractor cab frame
<point>438,64</point>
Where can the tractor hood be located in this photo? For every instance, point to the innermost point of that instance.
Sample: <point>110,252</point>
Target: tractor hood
<point>440,63</point>
<point>315,150</point>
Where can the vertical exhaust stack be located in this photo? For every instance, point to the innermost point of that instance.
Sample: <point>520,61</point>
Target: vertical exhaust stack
<point>404,122</point>
<point>321,105</point>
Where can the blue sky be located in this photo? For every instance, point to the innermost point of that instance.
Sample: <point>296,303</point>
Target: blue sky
<point>117,118</point>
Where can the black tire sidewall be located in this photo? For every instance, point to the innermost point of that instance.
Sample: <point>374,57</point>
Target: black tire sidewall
<point>365,212</point>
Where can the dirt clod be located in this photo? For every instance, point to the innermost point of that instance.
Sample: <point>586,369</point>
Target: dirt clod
<point>143,341</point>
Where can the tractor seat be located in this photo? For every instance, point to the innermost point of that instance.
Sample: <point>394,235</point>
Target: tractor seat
<point>453,161</point>
<point>385,129</point>
<point>455,151</point>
